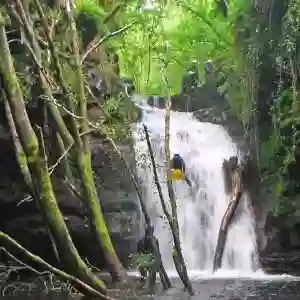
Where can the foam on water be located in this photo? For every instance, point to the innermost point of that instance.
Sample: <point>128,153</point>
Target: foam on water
<point>225,274</point>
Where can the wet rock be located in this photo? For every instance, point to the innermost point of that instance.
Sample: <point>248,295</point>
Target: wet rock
<point>281,262</point>
<point>97,83</point>
<point>103,88</point>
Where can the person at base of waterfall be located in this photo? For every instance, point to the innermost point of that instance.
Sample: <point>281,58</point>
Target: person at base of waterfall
<point>177,163</point>
<point>149,261</point>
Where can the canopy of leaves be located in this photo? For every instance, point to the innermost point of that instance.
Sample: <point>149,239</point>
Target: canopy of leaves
<point>255,43</point>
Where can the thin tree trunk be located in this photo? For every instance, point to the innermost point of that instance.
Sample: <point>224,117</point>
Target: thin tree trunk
<point>82,150</point>
<point>65,166</point>
<point>177,243</point>
<point>134,181</point>
<point>163,273</point>
<point>179,258</point>
<point>37,164</point>
<point>19,152</point>
<point>44,81</point>
<point>80,285</point>
<point>227,219</point>
<point>85,169</point>
<point>22,162</point>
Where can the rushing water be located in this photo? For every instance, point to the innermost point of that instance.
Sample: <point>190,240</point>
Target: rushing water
<point>203,146</point>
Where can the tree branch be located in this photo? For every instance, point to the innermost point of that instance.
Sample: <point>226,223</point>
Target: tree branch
<point>22,263</point>
<point>133,179</point>
<point>205,20</point>
<point>52,168</point>
<point>236,195</point>
<point>102,40</point>
<point>156,180</point>
<point>46,84</point>
<point>112,13</point>
<point>47,266</point>
<point>178,259</point>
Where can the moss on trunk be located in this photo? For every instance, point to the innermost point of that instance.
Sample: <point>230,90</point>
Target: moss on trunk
<point>37,164</point>
<point>59,123</point>
<point>83,160</point>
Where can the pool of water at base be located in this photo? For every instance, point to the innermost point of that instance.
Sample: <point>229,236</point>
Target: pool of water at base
<point>277,287</point>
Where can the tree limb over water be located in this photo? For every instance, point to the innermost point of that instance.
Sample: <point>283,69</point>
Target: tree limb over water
<point>236,194</point>
<point>177,254</point>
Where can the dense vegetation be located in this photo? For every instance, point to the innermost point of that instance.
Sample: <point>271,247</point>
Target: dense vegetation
<point>255,44</point>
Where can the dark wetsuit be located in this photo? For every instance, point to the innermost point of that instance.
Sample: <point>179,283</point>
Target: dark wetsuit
<point>149,245</point>
<point>177,162</point>
<point>145,245</point>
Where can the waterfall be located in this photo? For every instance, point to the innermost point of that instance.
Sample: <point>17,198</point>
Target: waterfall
<point>203,146</point>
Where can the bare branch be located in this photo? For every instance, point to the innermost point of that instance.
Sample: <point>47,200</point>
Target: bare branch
<point>22,263</point>
<point>26,199</point>
<point>50,268</point>
<point>102,40</point>
<point>134,180</point>
<point>113,12</point>
<point>52,168</point>
<point>177,253</point>
<point>236,195</point>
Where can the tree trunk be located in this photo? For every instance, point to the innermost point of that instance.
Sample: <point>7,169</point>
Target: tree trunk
<point>177,244</point>
<point>227,218</point>
<point>162,271</point>
<point>134,181</point>
<point>183,275</point>
<point>22,162</point>
<point>80,285</point>
<point>85,169</point>
<point>82,149</point>
<point>44,80</point>
<point>37,164</point>
<point>65,166</point>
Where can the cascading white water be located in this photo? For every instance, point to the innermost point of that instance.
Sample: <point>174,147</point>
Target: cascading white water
<point>200,209</point>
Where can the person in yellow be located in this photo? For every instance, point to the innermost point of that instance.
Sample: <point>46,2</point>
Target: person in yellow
<point>178,169</point>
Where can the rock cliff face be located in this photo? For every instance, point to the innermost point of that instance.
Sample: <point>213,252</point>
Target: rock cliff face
<point>21,219</point>
<point>19,215</point>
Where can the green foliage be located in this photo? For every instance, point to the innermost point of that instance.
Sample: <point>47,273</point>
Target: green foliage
<point>119,115</point>
<point>255,45</point>
<point>269,41</point>
<point>89,19</point>
<point>170,37</point>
